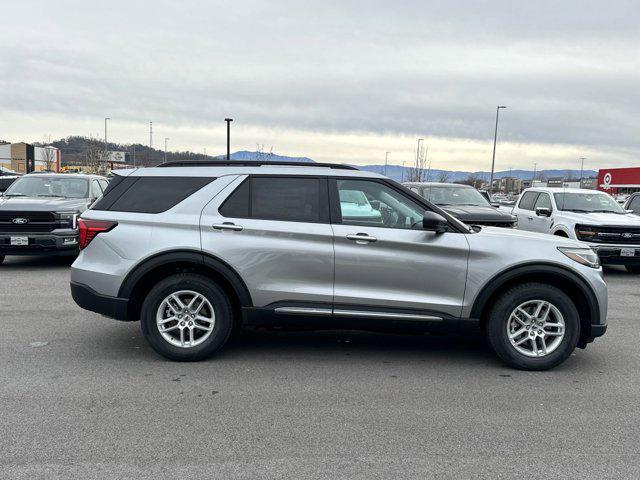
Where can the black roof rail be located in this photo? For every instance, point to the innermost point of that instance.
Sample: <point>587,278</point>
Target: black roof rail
<point>252,163</point>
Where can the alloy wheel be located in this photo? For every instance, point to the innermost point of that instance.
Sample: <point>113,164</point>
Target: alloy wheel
<point>535,328</point>
<point>185,318</point>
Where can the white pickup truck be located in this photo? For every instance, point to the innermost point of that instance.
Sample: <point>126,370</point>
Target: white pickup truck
<point>590,216</point>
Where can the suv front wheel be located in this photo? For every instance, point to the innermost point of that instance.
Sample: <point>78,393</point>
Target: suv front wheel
<point>186,317</point>
<point>533,326</point>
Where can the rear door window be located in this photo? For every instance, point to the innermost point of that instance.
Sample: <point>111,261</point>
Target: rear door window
<point>291,199</point>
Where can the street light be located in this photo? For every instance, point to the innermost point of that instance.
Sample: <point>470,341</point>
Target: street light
<point>495,138</point>
<point>228,120</point>
<point>581,169</point>
<point>165,149</point>
<point>386,160</point>
<point>105,132</point>
<point>535,165</point>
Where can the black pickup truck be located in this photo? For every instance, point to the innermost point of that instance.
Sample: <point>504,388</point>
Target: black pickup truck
<point>465,203</point>
<point>38,213</point>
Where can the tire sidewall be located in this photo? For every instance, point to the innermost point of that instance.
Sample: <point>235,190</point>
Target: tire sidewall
<point>497,326</point>
<point>214,294</point>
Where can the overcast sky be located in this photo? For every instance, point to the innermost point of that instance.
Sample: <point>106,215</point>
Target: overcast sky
<point>340,81</point>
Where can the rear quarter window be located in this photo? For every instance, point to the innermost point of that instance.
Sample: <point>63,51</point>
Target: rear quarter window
<point>148,194</point>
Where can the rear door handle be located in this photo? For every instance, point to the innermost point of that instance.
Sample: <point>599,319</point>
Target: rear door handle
<point>227,226</point>
<point>361,238</point>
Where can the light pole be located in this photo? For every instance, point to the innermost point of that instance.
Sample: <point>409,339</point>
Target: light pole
<point>418,152</point>
<point>402,175</point>
<point>495,139</point>
<point>228,120</point>
<point>105,132</point>
<point>386,161</point>
<point>535,165</point>
<point>581,169</point>
<point>165,149</point>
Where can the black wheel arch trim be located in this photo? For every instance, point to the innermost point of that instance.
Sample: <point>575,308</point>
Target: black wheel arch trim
<point>503,277</point>
<point>187,256</point>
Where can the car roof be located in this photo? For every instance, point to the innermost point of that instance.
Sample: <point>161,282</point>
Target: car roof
<point>222,170</point>
<point>561,190</point>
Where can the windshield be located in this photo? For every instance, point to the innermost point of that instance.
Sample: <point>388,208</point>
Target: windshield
<point>587,203</point>
<point>47,186</point>
<point>454,196</point>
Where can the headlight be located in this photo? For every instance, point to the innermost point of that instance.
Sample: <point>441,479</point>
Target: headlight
<point>69,217</point>
<point>584,256</point>
<point>585,233</point>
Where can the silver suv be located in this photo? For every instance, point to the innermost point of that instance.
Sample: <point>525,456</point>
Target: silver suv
<point>194,250</point>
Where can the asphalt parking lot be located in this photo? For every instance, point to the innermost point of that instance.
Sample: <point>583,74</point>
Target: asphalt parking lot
<point>84,397</point>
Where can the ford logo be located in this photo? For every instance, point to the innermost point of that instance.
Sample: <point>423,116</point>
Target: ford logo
<point>20,221</point>
<point>627,235</point>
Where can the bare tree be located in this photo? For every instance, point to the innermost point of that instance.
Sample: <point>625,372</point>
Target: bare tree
<point>48,153</point>
<point>420,171</point>
<point>95,156</point>
<point>472,179</point>
<point>443,176</point>
<point>261,155</point>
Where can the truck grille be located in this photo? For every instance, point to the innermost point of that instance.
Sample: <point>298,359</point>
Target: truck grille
<point>12,221</point>
<point>617,235</point>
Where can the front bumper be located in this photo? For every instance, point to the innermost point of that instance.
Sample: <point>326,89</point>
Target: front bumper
<point>610,254</point>
<point>61,242</point>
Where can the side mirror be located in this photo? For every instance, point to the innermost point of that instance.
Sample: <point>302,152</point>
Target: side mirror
<point>375,204</point>
<point>543,212</point>
<point>434,222</point>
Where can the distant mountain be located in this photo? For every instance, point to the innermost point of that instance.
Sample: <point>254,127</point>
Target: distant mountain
<point>245,155</point>
<point>400,173</point>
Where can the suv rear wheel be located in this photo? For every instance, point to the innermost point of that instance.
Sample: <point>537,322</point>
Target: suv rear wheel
<point>533,326</point>
<point>1,259</point>
<point>633,268</point>
<point>186,317</point>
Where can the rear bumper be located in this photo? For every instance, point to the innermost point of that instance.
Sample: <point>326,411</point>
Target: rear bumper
<point>63,243</point>
<point>89,299</point>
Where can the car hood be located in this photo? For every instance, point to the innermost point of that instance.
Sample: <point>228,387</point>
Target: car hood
<point>602,218</point>
<point>473,213</point>
<point>526,236</point>
<point>40,204</point>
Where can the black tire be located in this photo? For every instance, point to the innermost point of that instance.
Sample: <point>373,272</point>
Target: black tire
<point>496,326</point>
<point>1,259</point>
<point>216,297</point>
<point>632,268</point>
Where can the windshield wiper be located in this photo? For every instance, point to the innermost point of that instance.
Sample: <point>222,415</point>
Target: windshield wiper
<point>607,211</point>
<point>50,195</point>
<point>577,210</point>
<point>14,195</point>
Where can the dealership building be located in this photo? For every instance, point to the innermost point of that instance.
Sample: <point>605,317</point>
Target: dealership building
<point>24,158</point>
<point>619,180</point>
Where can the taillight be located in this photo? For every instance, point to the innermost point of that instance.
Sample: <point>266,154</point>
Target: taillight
<point>88,229</point>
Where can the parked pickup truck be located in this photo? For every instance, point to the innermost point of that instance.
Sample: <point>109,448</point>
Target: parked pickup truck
<point>38,213</point>
<point>590,216</point>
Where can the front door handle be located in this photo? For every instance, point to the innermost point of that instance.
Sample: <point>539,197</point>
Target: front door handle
<point>530,218</point>
<point>227,226</point>
<point>361,238</point>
